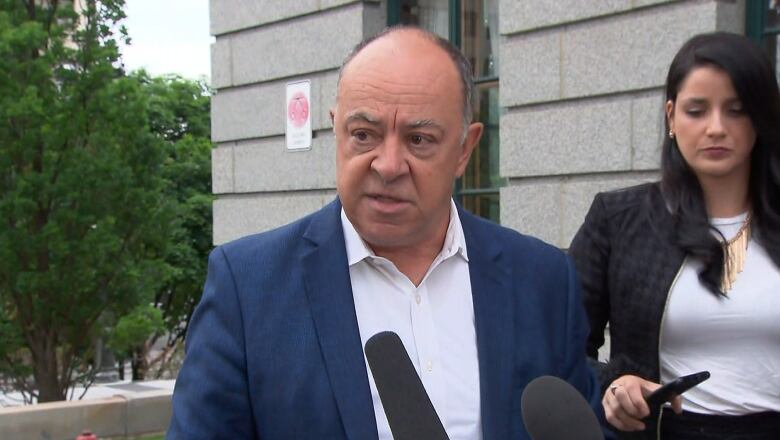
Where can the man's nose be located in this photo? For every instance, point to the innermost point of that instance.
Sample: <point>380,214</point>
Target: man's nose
<point>390,162</point>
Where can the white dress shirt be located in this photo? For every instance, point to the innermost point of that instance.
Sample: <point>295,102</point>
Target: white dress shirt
<point>434,320</point>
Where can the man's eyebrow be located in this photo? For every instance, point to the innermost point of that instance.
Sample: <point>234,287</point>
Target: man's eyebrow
<point>425,123</point>
<point>362,116</point>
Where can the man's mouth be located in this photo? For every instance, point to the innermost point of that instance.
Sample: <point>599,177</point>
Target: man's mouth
<point>386,203</point>
<point>385,198</point>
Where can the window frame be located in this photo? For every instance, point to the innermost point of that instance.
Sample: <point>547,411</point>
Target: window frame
<point>755,17</point>
<point>455,37</point>
<point>394,18</point>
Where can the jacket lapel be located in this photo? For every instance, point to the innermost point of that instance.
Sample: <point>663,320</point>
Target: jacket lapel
<point>329,291</point>
<point>494,311</point>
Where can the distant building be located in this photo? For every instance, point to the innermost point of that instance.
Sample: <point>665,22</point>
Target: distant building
<point>570,92</point>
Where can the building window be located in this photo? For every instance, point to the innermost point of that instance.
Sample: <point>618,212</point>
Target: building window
<point>432,15</point>
<point>763,26</point>
<point>471,25</point>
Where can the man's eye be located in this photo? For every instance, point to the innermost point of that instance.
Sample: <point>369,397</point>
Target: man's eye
<point>416,139</point>
<point>361,136</point>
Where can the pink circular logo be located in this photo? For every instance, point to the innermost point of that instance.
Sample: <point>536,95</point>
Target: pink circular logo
<point>298,109</point>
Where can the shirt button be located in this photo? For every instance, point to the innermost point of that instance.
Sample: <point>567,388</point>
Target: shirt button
<point>429,366</point>
<point>417,298</point>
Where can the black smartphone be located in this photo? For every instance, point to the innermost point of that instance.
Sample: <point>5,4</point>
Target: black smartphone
<point>675,387</point>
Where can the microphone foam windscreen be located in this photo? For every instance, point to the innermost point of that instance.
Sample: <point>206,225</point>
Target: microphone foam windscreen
<point>409,410</point>
<point>554,410</point>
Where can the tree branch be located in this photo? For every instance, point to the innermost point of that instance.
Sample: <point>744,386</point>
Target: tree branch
<point>30,5</point>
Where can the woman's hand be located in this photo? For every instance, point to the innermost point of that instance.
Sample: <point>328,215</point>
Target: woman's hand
<point>624,402</point>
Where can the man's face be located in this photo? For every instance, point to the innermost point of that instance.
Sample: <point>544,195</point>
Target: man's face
<point>400,140</point>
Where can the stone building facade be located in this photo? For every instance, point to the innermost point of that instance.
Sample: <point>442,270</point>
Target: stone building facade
<point>578,105</point>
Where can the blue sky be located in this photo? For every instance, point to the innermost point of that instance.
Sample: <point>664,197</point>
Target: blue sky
<point>168,36</point>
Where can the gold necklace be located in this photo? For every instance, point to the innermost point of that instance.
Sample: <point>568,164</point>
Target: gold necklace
<point>734,251</point>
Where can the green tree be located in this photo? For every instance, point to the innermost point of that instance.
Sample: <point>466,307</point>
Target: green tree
<point>178,111</point>
<point>84,220</point>
<point>134,328</point>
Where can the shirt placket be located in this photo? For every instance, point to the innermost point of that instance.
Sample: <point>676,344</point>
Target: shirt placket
<point>424,333</point>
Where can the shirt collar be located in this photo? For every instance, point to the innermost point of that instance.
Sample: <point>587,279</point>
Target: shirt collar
<point>358,249</point>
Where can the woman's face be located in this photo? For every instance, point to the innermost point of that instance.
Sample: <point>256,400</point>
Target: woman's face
<point>714,133</point>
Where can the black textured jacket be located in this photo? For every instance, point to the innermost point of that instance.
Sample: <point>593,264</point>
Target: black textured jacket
<point>627,262</point>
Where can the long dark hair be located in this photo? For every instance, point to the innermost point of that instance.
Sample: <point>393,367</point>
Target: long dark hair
<point>753,77</point>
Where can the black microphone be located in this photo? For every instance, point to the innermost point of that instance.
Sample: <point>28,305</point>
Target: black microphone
<point>409,410</point>
<point>554,410</point>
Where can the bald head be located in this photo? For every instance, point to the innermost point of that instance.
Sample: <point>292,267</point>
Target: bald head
<point>459,62</point>
<point>401,141</point>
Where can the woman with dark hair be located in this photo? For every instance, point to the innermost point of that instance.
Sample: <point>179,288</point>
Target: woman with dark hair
<point>686,271</point>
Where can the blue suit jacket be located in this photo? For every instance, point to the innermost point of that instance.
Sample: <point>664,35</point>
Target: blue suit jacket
<point>273,349</point>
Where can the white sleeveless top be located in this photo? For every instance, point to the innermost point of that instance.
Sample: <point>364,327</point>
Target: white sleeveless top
<point>736,339</point>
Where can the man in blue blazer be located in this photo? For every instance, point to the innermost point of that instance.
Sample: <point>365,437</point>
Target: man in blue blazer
<point>275,348</point>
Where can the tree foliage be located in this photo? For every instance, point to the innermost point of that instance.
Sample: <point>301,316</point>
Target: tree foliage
<point>134,328</point>
<point>178,111</point>
<point>84,185</point>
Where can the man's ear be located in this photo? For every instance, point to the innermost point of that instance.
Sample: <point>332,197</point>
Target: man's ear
<point>473,135</point>
<point>332,117</point>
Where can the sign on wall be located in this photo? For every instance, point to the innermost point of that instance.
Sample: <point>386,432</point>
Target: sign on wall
<point>298,134</point>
